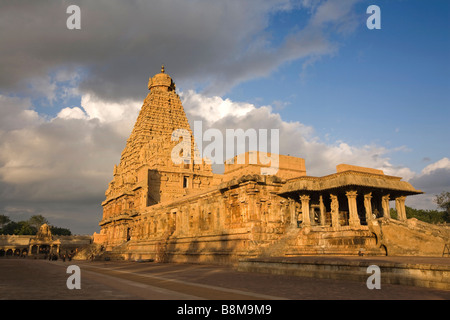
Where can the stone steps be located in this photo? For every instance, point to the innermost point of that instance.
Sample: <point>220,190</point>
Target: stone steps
<point>332,242</point>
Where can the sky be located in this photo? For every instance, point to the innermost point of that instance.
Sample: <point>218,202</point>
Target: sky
<point>337,91</point>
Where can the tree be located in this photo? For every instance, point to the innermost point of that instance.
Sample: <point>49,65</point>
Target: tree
<point>10,228</point>
<point>36,221</point>
<point>443,202</point>
<point>29,227</point>
<point>430,216</point>
<point>4,220</point>
<point>25,228</point>
<point>60,231</point>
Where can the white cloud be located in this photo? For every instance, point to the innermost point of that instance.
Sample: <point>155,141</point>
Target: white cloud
<point>72,113</point>
<point>444,163</point>
<point>16,113</point>
<point>337,13</point>
<point>59,165</point>
<point>107,111</point>
<point>296,139</point>
<point>213,108</point>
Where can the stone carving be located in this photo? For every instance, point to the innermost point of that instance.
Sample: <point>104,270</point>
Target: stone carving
<point>44,232</point>
<point>334,211</point>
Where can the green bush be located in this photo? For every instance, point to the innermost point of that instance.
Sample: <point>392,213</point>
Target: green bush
<point>430,216</point>
<point>29,227</point>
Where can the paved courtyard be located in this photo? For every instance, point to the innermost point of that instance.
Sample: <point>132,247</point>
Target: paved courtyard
<point>43,280</point>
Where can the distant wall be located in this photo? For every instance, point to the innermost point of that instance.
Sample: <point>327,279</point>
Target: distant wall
<point>22,242</point>
<point>14,240</point>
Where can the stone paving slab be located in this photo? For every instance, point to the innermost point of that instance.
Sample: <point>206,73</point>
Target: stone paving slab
<point>42,280</point>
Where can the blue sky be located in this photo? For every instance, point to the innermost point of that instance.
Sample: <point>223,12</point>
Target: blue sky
<point>338,92</point>
<point>389,86</point>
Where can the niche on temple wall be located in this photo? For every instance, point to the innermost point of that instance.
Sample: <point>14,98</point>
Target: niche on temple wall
<point>154,187</point>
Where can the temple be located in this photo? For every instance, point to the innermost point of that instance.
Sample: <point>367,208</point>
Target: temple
<point>42,244</point>
<point>165,210</point>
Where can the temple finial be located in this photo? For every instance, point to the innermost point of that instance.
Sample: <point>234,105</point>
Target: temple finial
<point>162,69</point>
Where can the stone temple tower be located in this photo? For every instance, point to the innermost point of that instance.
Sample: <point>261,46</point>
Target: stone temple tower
<point>150,170</point>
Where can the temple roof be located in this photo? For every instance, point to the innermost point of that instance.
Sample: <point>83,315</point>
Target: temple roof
<point>349,178</point>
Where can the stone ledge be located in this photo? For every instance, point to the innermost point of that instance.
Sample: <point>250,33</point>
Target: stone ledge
<point>421,272</point>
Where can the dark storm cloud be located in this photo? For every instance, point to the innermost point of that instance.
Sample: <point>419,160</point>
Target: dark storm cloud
<point>213,43</point>
<point>60,167</point>
<point>433,180</point>
<point>433,183</point>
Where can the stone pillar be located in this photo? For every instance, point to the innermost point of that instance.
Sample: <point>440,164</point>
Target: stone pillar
<point>305,210</point>
<point>400,207</point>
<point>322,211</point>
<point>312,213</point>
<point>173,220</point>
<point>385,205</point>
<point>368,206</point>
<point>252,203</point>
<point>292,212</point>
<point>334,211</point>
<point>352,208</point>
